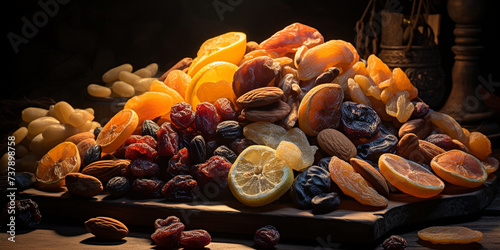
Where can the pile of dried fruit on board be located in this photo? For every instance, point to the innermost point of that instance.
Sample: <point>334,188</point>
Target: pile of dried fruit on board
<point>293,114</point>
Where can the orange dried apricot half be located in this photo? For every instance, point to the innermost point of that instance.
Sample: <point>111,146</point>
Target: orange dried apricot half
<point>459,168</point>
<point>150,105</point>
<point>178,80</point>
<point>377,69</point>
<point>479,145</point>
<point>490,164</point>
<point>409,177</point>
<point>450,235</point>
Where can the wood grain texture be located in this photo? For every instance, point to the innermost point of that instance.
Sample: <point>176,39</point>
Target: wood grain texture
<point>352,222</point>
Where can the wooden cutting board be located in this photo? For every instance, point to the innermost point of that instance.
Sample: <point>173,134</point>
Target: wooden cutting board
<point>350,223</point>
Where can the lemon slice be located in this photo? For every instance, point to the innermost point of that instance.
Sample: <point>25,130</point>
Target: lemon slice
<point>258,177</point>
<point>212,82</point>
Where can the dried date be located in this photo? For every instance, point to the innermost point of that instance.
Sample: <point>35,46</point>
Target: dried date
<point>118,186</point>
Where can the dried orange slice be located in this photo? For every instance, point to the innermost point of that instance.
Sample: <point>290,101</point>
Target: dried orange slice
<point>57,163</point>
<point>150,105</point>
<point>334,53</point>
<point>212,82</point>
<point>450,235</point>
<point>157,86</point>
<point>117,130</point>
<point>409,177</point>
<point>320,108</point>
<point>459,168</point>
<point>229,47</point>
<point>353,184</point>
<point>258,177</point>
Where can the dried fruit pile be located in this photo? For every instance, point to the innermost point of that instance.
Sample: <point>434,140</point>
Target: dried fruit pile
<point>326,122</point>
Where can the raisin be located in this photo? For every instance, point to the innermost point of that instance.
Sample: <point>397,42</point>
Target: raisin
<point>229,130</point>
<point>166,222</point>
<point>182,115</point>
<point>181,188</point>
<point>373,150</point>
<point>118,186</point>
<point>168,235</point>
<point>359,120</point>
<point>198,238</point>
<point>93,154</point>
<point>206,119</point>
<point>314,181</point>
<point>141,168</point>
<point>179,164</point>
<point>150,128</point>
<point>140,151</point>
<point>240,144</point>
<point>394,242</point>
<point>24,180</point>
<point>26,213</point>
<point>211,145</point>
<point>168,140</point>
<point>445,142</point>
<point>225,152</point>
<point>97,131</point>
<point>267,236</point>
<point>214,170</point>
<point>420,110</point>
<point>225,109</point>
<point>197,150</point>
<point>149,140</point>
<point>147,188</point>
<point>325,202</point>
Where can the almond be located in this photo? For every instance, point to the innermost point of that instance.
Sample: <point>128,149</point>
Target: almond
<point>420,127</point>
<point>84,145</point>
<point>106,228</point>
<point>334,143</point>
<point>419,151</point>
<point>270,113</point>
<point>104,170</point>
<point>83,185</point>
<point>260,97</point>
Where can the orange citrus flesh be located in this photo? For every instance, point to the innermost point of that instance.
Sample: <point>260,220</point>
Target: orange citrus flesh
<point>57,163</point>
<point>353,184</point>
<point>409,177</point>
<point>117,130</point>
<point>459,168</point>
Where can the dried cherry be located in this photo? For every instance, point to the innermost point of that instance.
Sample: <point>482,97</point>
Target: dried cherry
<point>179,164</point>
<point>225,109</point>
<point>198,238</point>
<point>420,110</point>
<point>168,140</point>
<point>167,232</point>
<point>394,242</point>
<point>214,170</point>
<point>180,188</point>
<point>267,236</point>
<point>206,119</point>
<point>182,115</point>
<point>140,151</point>
<point>359,120</point>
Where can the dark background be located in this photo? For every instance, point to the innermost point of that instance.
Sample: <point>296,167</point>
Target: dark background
<point>83,39</point>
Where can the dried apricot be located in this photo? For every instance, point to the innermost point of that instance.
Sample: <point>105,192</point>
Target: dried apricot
<point>358,68</point>
<point>409,177</point>
<point>178,80</point>
<point>353,184</point>
<point>292,37</point>
<point>356,93</point>
<point>400,106</point>
<point>490,164</point>
<point>149,105</point>
<point>459,168</point>
<point>450,235</point>
<point>320,108</point>
<point>157,86</point>
<point>377,70</point>
<point>479,145</point>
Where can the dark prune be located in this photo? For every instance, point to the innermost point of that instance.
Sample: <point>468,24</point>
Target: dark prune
<point>267,236</point>
<point>180,188</point>
<point>182,115</point>
<point>140,151</point>
<point>93,154</point>
<point>359,120</point>
<point>373,150</point>
<point>26,213</point>
<point>147,188</point>
<point>24,180</point>
<point>420,110</point>
<point>206,119</point>
<point>225,109</point>
<point>150,128</point>
<point>97,131</point>
<point>229,130</point>
<point>214,170</point>
<point>225,152</point>
<point>323,162</point>
<point>168,140</point>
<point>141,168</point>
<point>240,144</point>
<point>394,242</point>
<point>198,238</point>
<point>197,150</point>
<point>325,202</point>
<point>168,234</point>
<point>179,164</point>
<point>315,180</point>
<point>118,186</point>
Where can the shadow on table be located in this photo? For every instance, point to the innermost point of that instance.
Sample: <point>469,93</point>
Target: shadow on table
<point>100,242</point>
<point>431,245</point>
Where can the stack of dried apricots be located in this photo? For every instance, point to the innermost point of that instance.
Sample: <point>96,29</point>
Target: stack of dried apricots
<point>292,114</point>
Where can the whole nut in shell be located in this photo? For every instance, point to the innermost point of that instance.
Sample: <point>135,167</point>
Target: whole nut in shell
<point>83,185</point>
<point>334,143</point>
<point>260,97</point>
<point>106,228</point>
